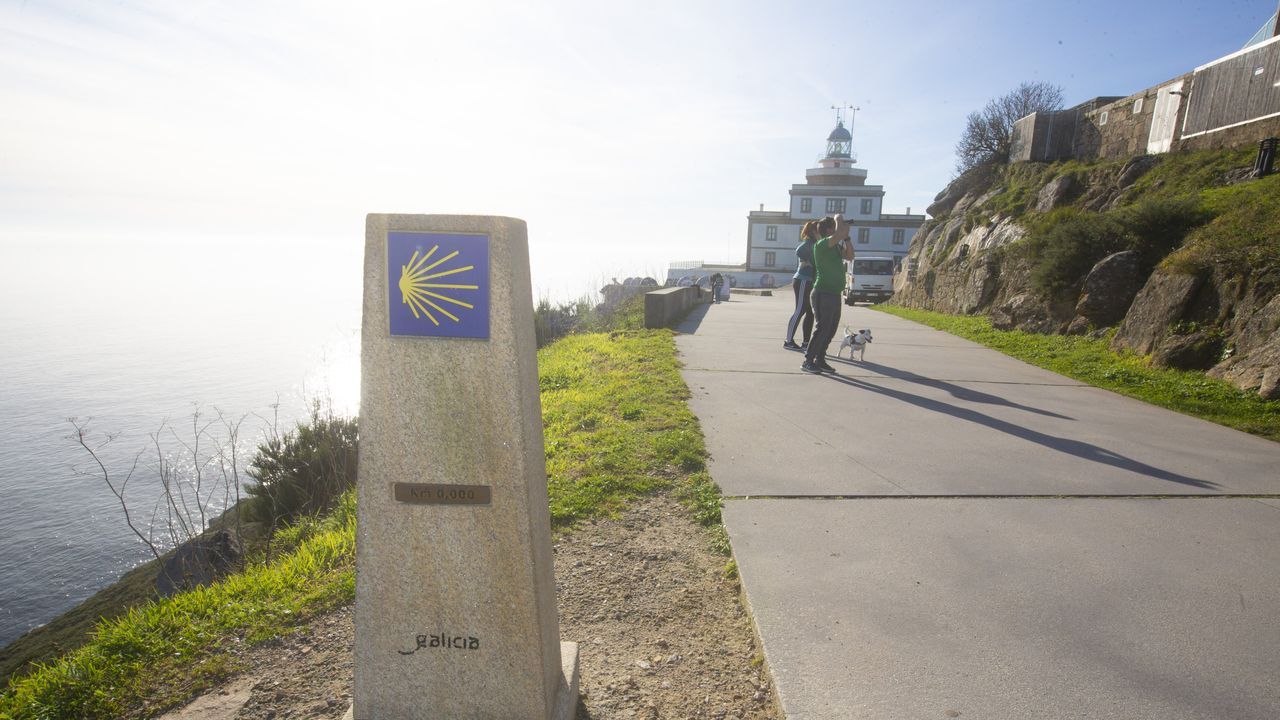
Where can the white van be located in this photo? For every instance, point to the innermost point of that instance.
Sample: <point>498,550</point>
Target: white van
<point>870,279</point>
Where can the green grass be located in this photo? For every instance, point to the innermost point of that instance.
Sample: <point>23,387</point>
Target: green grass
<point>160,653</point>
<point>1092,361</point>
<point>616,428</point>
<point>615,421</point>
<point>1244,235</point>
<point>1180,174</point>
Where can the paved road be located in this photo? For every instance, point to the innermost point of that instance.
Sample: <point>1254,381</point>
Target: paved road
<point>941,531</point>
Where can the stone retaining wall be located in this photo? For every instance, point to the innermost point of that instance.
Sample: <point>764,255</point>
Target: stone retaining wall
<point>662,307</point>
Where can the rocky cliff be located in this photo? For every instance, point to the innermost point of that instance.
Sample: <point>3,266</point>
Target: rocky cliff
<point>1174,257</point>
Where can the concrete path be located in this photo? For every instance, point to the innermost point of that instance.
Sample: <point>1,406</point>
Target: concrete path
<point>942,531</point>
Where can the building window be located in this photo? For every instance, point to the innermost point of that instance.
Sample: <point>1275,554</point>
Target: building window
<point>806,205</point>
<point>770,259</point>
<point>771,232</point>
<point>835,205</point>
<point>899,236</point>
<point>866,207</point>
<point>1102,119</point>
<point>864,236</point>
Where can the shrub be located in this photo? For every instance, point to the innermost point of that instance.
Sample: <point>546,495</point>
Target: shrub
<point>1157,227</point>
<point>303,472</point>
<point>1066,244</point>
<point>551,322</point>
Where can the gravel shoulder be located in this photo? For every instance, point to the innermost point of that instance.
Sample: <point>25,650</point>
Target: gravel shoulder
<point>662,632</point>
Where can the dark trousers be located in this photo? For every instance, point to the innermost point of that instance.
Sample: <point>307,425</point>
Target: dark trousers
<point>804,311</point>
<point>826,309</point>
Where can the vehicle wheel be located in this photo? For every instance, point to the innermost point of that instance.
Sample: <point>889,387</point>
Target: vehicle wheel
<point>848,300</point>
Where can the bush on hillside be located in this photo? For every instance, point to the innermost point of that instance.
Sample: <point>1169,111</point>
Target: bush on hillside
<point>303,472</point>
<point>1157,227</point>
<point>1065,244</point>
<point>552,322</point>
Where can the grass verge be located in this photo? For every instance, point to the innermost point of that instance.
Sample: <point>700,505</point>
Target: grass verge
<point>616,427</point>
<point>1092,361</point>
<point>163,652</point>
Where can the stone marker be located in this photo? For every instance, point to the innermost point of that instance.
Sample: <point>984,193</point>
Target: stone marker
<point>455,595</point>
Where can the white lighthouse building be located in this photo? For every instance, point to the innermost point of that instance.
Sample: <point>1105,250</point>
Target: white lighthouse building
<point>835,186</point>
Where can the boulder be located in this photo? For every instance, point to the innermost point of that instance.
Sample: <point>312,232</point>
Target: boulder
<point>1237,175</point>
<point>1080,325</point>
<point>946,200</point>
<point>1023,312</point>
<point>198,562</point>
<point>1193,351</point>
<point>1134,169</point>
<point>1270,387</point>
<point>1057,192</point>
<point>1158,305</point>
<point>1100,198</point>
<point>1263,319</point>
<point>980,287</point>
<point>1259,369</point>
<point>1109,289</point>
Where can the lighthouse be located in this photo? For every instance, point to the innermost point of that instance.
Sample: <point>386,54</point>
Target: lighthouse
<point>835,186</point>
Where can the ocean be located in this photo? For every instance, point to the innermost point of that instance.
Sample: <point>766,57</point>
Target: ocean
<point>136,338</point>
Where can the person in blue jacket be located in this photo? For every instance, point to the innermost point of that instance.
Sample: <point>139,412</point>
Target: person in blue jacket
<point>802,285</point>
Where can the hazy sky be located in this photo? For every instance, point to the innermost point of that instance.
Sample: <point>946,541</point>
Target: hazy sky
<point>626,134</point>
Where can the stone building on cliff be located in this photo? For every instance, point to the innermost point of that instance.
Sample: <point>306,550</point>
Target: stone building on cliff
<point>1228,102</point>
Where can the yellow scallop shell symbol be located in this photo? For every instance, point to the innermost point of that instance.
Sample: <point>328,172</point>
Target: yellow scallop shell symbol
<point>419,292</point>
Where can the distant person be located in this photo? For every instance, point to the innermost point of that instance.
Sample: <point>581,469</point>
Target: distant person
<point>717,282</point>
<point>802,285</point>
<point>830,253</point>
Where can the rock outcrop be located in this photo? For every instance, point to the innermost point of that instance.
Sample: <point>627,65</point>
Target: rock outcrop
<point>966,261</point>
<point>200,561</point>
<point>1058,192</point>
<point>1160,303</point>
<point>1253,361</point>
<point>1226,323</point>
<point>1023,312</point>
<point>1109,289</point>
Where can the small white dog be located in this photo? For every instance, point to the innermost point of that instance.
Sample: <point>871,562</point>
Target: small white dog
<point>855,341</point>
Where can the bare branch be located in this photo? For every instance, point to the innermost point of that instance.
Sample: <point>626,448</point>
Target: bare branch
<point>988,134</point>
<point>79,436</point>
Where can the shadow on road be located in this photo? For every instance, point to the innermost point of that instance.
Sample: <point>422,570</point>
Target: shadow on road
<point>689,325</point>
<point>958,392</point>
<point>1082,450</point>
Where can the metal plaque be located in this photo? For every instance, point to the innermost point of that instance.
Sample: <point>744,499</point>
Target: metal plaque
<point>434,494</point>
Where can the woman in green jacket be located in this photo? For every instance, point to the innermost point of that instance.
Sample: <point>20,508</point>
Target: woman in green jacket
<point>829,256</point>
